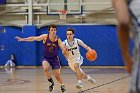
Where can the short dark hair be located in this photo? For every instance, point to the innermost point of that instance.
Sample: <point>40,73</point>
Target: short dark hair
<point>52,26</point>
<point>12,55</point>
<point>71,29</point>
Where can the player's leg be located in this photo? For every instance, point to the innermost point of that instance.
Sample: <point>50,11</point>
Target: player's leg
<point>85,76</point>
<point>59,79</point>
<point>46,67</point>
<point>75,66</point>
<point>78,75</point>
<point>56,70</point>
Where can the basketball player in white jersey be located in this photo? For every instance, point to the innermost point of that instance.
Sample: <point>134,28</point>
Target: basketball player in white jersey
<point>74,57</point>
<point>128,15</point>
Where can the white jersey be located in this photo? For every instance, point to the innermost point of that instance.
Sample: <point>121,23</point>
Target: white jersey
<point>73,49</point>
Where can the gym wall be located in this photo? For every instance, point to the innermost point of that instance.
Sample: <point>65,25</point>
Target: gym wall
<point>102,38</point>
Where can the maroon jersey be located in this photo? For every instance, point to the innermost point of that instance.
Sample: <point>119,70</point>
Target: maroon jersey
<point>50,49</point>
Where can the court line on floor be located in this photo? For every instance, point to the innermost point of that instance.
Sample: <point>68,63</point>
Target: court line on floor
<point>104,84</point>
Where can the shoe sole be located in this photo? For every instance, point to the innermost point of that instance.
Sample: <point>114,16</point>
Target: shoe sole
<point>79,87</point>
<point>63,92</point>
<point>92,82</point>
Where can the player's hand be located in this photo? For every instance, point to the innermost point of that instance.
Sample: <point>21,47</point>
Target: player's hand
<point>89,49</point>
<point>129,66</point>
<point>129,63</point>
<point>18,38</point>
<point>65,52</point>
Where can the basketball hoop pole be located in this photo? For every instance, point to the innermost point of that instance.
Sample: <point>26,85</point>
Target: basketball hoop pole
<point>62,14</point>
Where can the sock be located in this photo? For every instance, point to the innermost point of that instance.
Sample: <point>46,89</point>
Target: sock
<point>88,77</point>
<point>79,82</point>
<point>62,85</point>
<point>50,80</point>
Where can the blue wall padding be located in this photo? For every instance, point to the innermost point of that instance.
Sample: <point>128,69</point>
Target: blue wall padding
<point>7,39</point>
<point>2,1</point>
<point>102,38</point>
<point>29,51</point>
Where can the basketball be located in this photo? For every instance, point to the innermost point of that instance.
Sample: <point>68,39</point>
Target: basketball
<point>91,55</point>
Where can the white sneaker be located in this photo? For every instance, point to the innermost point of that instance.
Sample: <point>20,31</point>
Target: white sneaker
<point>79,86</point>
<point>92,81</point>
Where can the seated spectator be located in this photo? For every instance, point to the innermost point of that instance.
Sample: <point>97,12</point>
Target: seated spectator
<point>11,62</point>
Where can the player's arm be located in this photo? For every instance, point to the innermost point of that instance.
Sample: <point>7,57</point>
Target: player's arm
<point>32,38</point>
<point>63,48</point>
<point>122,14</point>
<point>80,42</point>
<point>60,44</point>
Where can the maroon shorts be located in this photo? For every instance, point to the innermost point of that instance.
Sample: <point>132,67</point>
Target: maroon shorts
<point>53,61</point>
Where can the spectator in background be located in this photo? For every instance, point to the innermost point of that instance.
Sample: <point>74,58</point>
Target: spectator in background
<point>11,62</point>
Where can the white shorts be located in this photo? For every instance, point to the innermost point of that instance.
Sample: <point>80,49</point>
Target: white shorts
<point>78,60</point>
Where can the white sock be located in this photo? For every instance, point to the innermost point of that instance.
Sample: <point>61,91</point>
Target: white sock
<point>61,84</point>
<point>88,77</point>
<point>79,82</point>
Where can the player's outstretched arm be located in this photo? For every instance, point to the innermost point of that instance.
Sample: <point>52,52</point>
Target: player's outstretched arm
<point>25,39</point>
<point>32,38</point>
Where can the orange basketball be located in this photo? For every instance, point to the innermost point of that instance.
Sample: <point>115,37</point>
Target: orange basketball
<point>91,55</point>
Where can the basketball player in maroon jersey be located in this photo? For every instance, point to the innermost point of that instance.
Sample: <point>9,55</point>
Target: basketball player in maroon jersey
<point>51,44</point>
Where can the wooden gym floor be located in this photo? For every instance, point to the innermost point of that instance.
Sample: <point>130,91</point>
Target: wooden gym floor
<point>32,80</point>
